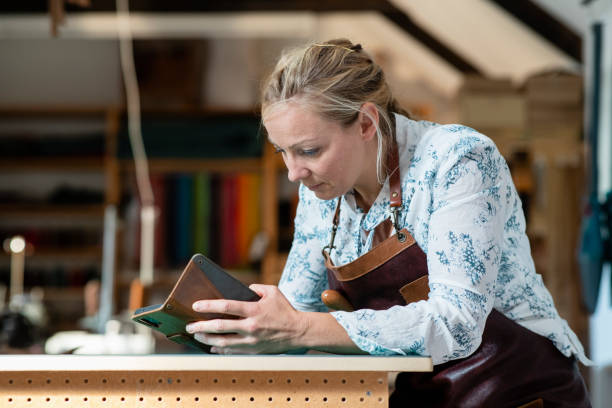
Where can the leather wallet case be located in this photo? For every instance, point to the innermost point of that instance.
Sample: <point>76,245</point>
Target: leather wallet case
<point>201,279</point>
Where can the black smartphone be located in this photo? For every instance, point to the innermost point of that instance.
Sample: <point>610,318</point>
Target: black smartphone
<point>201,279</point>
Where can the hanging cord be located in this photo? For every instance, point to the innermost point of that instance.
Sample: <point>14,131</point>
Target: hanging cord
<point>143,182</point>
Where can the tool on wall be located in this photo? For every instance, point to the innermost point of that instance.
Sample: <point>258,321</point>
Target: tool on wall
<point>57,12</point>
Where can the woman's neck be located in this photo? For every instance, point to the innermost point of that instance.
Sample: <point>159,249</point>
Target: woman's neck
<point>368,187</point>
<point>365,202</point>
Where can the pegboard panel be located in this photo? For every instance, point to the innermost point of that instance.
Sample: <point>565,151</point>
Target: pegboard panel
<point>144,389</point>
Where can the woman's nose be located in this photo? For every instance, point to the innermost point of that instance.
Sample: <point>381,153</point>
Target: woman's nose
<point>296,171</point>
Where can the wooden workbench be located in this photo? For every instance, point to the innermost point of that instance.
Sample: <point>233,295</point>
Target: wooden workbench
<point>199,380</point>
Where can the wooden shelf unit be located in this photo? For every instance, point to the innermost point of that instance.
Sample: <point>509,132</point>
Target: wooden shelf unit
<point>114,170</point>
<point>55,217</point>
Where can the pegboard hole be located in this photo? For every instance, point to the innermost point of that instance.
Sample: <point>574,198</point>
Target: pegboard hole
<point>47,399</point>
<point>307,381</point>
<point>306,399</point>
<point>159,399</point>
<point>104,381</point>
<point>269,398</point>
<point>197,380</point>
<point>85,380</point>
<point>10,381</point>
<point>141,399</point>
<point>343,399</point>
<point>122,399</point>
<point>196,399</point>
<point>84,398</point>
<point>178,398</point>
<point>344,381</point>
<point>325,381</point>
<point>233,398</point>
<point>103,399</point>
<point>324,399</point>
<point>29,381</point>
<point>288,399</point>
<point>251,399</point>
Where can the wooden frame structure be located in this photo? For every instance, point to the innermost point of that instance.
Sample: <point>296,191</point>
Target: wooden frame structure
<point>200,380</point>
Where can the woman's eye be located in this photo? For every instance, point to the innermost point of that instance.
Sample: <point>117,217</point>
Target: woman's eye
<point>277,150</point>
<point>309,152</point>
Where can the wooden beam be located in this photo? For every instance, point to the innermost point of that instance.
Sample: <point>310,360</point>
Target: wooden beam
<point>547,26</point>
<point>182,6</point>
<point>386,8</point>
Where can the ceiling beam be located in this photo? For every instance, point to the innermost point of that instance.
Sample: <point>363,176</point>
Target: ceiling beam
<point>199,6</point>
<point>386,8</point>
<point>547,26</point>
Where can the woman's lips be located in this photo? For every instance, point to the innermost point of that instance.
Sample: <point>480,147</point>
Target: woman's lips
<point>315,187</point>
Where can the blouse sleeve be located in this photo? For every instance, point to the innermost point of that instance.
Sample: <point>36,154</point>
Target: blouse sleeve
<point>471,190</point>
<point>304,276</point>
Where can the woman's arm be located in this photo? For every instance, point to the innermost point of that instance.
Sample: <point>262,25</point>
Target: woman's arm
<point>268,326</point>
<point>292,316</point>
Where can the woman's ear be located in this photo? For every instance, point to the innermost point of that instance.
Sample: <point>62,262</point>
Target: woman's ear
<point>368,121</point>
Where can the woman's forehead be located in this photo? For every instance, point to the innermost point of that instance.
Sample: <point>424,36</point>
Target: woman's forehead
<point>293,118</point>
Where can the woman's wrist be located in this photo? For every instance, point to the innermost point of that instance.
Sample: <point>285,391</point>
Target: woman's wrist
<point>320,331</point>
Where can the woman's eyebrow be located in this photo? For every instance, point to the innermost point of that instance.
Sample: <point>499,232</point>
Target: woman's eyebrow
<point>301,143</point>
<point>295,145</point>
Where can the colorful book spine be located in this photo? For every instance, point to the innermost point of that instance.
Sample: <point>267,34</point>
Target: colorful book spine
<point>201,213</point>
<point>183,218</point>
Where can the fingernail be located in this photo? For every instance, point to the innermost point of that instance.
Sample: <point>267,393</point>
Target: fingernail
<point>196,306</point>
<point>189,328</point>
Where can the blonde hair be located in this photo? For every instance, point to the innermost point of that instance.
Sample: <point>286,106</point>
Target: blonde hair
<point>335,79</point>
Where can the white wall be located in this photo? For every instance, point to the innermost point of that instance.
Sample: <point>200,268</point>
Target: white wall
<point>59,72</point>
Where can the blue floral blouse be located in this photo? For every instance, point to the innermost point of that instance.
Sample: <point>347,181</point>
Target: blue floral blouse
<point>460,204</point>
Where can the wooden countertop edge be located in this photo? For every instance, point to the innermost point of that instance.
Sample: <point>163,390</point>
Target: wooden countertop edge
<point>189,362</point>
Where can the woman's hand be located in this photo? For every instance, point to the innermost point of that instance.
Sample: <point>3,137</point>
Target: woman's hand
<point>270,325</point>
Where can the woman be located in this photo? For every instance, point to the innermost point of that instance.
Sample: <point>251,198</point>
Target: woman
<point>424,247</point>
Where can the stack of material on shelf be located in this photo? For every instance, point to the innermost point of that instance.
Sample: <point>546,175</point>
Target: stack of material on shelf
<point>493,107</point>
<point>554,106</point>
<point>554,128</point>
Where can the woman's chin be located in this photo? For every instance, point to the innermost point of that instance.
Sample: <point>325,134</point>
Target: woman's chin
<point>325,194</point>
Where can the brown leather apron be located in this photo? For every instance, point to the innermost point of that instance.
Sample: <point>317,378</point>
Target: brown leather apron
<point>513,365</point>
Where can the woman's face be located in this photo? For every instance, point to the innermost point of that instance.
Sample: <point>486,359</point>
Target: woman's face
<point>324,155</point>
